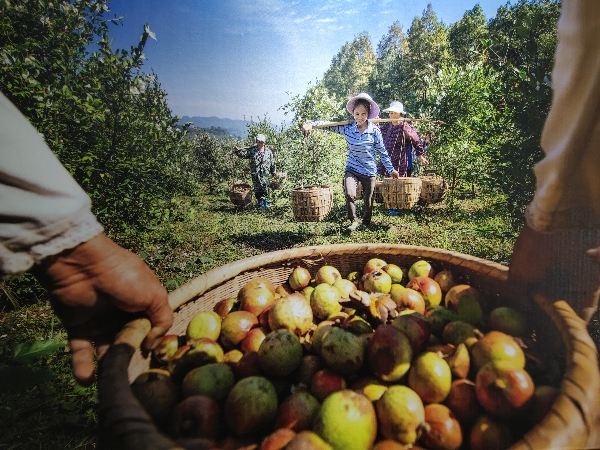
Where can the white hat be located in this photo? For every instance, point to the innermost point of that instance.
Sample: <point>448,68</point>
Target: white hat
<point>261,138</point>
<point>395,107</point>
<point>374,107</point>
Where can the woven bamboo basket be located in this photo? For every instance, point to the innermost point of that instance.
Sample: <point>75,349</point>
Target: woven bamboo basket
<point>401,193</point>
<point>312,203</point>
<point>377,195</point>
<point>571,423</point>
<point>433,189</point>
<point>240,194</point>
<point>278,180</point>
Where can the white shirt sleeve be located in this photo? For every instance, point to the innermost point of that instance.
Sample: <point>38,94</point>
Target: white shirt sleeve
<point>43,210</point>
<point>567,191</point>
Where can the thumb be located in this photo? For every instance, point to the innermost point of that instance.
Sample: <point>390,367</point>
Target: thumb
<point>160,315</point>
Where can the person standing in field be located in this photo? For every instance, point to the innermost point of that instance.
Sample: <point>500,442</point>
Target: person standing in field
<point>262,166</point>
<point>364,143</point>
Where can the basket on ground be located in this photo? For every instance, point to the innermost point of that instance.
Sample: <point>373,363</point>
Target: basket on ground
<point>573,418</point>
<point>278,180</point>
<point>240,194</point>
<point>377,195</point>
<point>401,193</point>
<point>312,203</point>
<point>433,189</point>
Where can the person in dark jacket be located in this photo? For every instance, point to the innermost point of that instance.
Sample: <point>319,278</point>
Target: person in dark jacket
<point>262,167</point>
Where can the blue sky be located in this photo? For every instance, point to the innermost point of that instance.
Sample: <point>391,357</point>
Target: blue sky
<point>239,59</point>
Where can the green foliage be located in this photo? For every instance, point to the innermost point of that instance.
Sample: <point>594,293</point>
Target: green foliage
<point>386,78</point>
<point>468,37</point>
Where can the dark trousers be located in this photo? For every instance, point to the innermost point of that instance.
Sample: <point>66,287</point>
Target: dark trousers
<point>350,184</point>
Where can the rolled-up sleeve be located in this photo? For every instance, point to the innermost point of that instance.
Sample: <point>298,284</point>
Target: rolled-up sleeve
<point>43,210</point>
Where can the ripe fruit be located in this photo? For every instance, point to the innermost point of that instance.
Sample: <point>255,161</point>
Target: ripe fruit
<point>308,367</point>
<point>377,281</point>
<point>460,361</point>
<point>326,382</point>
<point>394,271</point>
<point>157,393</point>
<point>277,440</point>
<point>297,411</point>
<point>292,313</point>
<point>457,331</point>
<point>428,288</point>
<point>446,280</point>
<point>497,346</point>
<point>441,430</point>
<point>462,400</point>
<point>389,353</point>
<point>225,306</point>
<point>370,386</point>
<point>502,389</point>
<point>307,440</point>
<point>197,416</point>
<point>201,351</point>
<point>166,349</point>
<point>409,299</point>
<point>346,420</point>
<point>342,351</point>
<point>257,282</point>
<point>344,286</point>
<point>213,380</point>
<point>280,353</point>
<point>459,291</point>
<point>489,434</point>
<point>400,414</point>
<point>508,320</point>
<point>235,327</point>
<point>430,377</point>
<point>256,299</point>
<point>325,300</point>
<point>247,366</point>
<point>299,278</point>
<point>251,405</point>
<point>252,341</point>
<point>416,327</point>
<point>420,268</point>
<point>373,264</point>
<point>204,324</point>
<point>327,274</point>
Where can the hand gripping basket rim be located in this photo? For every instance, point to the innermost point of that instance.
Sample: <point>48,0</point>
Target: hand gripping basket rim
<point>573,419</point>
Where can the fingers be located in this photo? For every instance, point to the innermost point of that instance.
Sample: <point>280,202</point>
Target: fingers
<point>594,254</point>
<point>82,361</point>
<point>161,318</point>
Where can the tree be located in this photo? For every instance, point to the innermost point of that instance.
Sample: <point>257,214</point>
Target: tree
<point>468,37</point>
<point>351,68</point>
<point>386,77</point>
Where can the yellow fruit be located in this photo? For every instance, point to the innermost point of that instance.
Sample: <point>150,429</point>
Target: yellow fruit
<point>205,324</point>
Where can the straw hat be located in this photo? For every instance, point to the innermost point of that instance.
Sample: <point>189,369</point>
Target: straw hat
<point>395,107</point>
<point>374,107</point>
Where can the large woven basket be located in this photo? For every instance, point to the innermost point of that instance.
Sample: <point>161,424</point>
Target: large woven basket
<point>401,193</point>
<point>573,419</point>
<point>240,194</point>
<point>312,203</point>
<point>278,181</point>
<point>377,195</point>
<point>433,189</point>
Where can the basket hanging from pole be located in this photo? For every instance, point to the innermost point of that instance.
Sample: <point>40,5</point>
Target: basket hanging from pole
<point>240,194</point>
<point>401,193</point>
<point>312,203</point>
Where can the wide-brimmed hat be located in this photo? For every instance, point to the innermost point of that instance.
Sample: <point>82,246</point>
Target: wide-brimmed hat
<point>261,138</point>
<point>395,107</point>
<point>374,107</point>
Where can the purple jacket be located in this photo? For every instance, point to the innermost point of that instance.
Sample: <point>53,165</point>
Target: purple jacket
<point>397,139</point>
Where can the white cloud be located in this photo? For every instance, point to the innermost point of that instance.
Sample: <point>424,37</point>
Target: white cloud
<point>303,19</point>
<point>329,20</point>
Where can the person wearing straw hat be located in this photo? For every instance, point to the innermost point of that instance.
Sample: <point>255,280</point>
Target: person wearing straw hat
<point>399,138</point>
<point>262,166</point>
<point>364,143</point>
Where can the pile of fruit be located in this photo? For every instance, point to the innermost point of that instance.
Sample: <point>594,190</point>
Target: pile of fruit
<point>385,358</point>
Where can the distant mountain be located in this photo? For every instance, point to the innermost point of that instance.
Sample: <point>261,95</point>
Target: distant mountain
<point>235,127</point>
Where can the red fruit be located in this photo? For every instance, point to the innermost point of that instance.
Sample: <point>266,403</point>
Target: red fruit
<point>197,416</point>
<point>488,434</point>
<point>297,411</point>
<point>373,264</point>
<point>325,382</point>
<point>445,279</point>
<point>235,327</point>
<point>247,366</point>
<point>416,327</point>
<point>278,439</point>
<point>503,390</point>
<point>409,299</point>
<point>166,349</point>
<point>441,430</point>
<point>460,290</point>
<point>252,341</point>
<point>256,299</point>
<point>225,306</point>
<point>428,288</point>
<point>462,401</point>
<point>309,366</point>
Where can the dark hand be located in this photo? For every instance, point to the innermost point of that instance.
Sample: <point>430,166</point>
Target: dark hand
<point>92,287</point>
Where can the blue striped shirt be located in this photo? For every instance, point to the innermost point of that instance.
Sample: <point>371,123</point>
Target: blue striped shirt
<point>362,148</point>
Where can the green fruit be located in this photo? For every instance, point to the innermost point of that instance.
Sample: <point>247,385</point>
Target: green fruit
<point>325,300</point>
<point>157,393</point>
<point>400,414</point>
<point>346,420</point>
<point>457,331</point>
<point>342,351</point>
<point>213,380</point>
<point>251,406</point>
<point>469,310</point>
<point>280,353</point>
<point>508,320</point>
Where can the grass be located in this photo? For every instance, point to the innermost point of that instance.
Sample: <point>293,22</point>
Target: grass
<point>207,231</point>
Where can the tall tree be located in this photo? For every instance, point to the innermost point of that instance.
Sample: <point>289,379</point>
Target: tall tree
<point>428,50</point>
<point>468,37</point>
<point>351,68</point>
<point>385,79</point>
